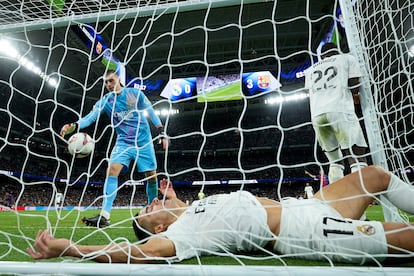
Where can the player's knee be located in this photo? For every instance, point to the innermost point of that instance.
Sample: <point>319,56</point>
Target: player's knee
<point>376,170</point>
<point>378,175</point>
<point>114,169</point>
<point>152,175</point>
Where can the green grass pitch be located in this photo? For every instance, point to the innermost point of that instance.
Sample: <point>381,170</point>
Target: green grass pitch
<point>18,229</point>
<point>226,93</point>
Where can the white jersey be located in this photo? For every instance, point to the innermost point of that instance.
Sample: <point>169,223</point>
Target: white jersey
<point>327,82</point>
<point>309,191</point>
<point>235,222</point>
<point>58,198</point>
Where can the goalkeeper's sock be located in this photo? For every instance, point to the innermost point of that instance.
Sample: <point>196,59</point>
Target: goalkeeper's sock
<point>152,190</point>
<point>400,194</point>
<point>110,190</point>
<point>105,214</point>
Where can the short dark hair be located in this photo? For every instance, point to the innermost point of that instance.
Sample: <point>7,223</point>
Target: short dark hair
<point>110,71</point>
<point>329,48</point>
<point>140,232</point>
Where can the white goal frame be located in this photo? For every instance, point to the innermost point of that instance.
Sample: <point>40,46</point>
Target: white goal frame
<point>69,268</point>
<point>142,11</point>
<point>370,118</point>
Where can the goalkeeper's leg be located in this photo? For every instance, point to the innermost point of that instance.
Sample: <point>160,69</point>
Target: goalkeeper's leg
<point>110,191</point>
<point>152,186</point>
<point>109,195</point>
<point>147,163</point>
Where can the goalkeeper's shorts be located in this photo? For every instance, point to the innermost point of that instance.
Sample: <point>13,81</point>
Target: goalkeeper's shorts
<point>144,156</point>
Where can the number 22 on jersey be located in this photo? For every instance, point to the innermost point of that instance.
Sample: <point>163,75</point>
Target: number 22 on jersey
<point>324,79</point>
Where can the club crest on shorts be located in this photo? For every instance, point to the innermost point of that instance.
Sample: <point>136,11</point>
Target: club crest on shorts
<point>366,229</point>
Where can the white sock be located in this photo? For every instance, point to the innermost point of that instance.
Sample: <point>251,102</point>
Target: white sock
<point>357,166</point>
<point>400,194</point>
<point>335,173</point>
<point>105,214</point>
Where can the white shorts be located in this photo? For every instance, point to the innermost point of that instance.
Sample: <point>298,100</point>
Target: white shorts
<point>311,229</point>
<point>337,129</point>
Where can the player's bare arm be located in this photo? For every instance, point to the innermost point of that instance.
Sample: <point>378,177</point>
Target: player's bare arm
<point>309,174</point>
<point>353,84</point>
<point>47,247</point>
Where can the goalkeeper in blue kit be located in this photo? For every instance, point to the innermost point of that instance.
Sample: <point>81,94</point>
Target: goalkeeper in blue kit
<point>125,108</point>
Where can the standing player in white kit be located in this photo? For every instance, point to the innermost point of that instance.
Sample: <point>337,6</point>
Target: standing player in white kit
<point>333,83</point>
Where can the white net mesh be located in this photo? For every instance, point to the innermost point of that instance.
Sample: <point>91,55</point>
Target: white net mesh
<point>54,53</point>
<point>388,38</point>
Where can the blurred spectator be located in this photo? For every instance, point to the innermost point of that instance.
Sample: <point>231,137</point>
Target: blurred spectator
<point>9,199</point>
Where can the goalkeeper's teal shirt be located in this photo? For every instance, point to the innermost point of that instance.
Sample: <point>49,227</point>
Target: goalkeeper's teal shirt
<point>127,114</point>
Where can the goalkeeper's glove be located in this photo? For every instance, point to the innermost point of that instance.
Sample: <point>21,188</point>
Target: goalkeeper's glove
<point>162,139</point>
<point>68,129</point>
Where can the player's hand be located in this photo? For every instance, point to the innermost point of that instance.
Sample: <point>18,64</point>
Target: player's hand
<point>68,129</point>
<point>46,246</point>
<point>162,140</point>
<point>166,189</point>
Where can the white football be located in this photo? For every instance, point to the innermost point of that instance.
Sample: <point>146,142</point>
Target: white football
<point>80,145</point>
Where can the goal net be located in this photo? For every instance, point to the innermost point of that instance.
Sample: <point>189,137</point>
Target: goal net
<point>225,78</point>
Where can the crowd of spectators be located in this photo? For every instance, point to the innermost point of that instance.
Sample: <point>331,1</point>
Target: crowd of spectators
<point>217,146</point>
<point>13,193</point>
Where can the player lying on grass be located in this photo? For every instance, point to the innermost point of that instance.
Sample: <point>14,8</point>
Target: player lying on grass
<point>316,229</point>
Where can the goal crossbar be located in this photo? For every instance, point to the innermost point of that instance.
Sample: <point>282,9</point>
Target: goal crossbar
<point>38,23</point>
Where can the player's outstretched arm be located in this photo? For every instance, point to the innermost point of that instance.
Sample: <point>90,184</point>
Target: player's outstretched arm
<point>47,247</point>
<point>310,175</point>
<point>354,84</point>
<point>85,121</point>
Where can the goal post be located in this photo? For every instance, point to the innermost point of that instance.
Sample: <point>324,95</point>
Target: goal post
<point>368,93</point>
